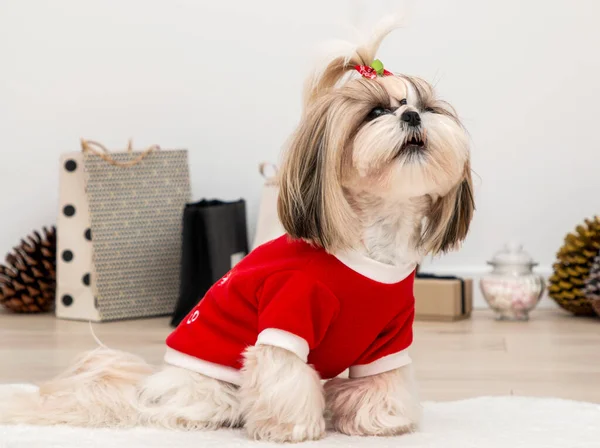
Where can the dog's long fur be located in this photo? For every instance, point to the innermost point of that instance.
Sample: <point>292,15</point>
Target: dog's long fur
<point>347,182</point>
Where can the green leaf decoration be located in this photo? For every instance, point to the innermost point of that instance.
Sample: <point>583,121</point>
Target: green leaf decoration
<point>377,65</point>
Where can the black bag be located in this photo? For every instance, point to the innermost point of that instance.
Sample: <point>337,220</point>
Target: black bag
<point>214,240</point>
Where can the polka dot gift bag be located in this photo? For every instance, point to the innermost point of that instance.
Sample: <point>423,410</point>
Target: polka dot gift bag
<point>119,232</point>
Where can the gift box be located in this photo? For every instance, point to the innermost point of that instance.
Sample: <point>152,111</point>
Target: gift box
<point>119,232</point>
<point>442,298</point>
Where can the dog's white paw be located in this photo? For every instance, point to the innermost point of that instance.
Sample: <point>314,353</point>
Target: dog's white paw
<point>273,431</point>
<point>380,405</point>
<point>383,423</point>
<point>282,397</point>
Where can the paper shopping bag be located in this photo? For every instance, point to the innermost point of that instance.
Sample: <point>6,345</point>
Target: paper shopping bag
<point>268,225</point>
<point>214,241</point>
<point>119,232</point>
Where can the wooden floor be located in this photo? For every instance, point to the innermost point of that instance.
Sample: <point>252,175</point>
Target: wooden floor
<point>554,354</point>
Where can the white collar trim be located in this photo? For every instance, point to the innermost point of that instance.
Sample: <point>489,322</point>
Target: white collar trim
<point>375,270</point>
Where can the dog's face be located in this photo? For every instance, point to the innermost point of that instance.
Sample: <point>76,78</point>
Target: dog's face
<point>407,145</point>
<point>387,138</point>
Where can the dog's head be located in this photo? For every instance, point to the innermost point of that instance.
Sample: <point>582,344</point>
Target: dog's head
<point>381,135</point>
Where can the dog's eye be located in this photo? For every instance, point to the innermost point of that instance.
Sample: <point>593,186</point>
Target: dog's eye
<point>377,112</point>
<point>429,109</point>
<point>403,102</point>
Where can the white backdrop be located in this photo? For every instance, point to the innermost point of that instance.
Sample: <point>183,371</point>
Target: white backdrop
<point>223,79</point>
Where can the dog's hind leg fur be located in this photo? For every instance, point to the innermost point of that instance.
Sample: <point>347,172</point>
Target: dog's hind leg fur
<point>99,389</point>
<point>110,388</point>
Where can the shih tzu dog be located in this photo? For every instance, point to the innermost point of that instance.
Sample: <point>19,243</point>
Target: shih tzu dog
<point>376,176</point>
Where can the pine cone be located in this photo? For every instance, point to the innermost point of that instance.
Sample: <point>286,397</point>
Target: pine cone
<point>592,285</point>
<point>574,259</point>
<point>28,280</point>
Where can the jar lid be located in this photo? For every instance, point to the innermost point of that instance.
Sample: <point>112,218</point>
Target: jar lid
<point>512,254</point>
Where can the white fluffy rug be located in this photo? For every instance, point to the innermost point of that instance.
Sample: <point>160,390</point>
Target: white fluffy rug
<point>486,422</point>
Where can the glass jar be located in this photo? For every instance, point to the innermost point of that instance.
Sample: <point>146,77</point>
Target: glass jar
<point>512,289</point>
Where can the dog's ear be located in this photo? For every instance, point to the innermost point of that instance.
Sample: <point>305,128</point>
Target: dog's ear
<point>311,204</point>
<point>449,218</point>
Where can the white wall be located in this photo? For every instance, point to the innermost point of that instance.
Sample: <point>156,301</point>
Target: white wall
<point>222,78</point>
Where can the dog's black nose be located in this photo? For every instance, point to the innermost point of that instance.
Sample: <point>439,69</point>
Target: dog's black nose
<point>411,117</point>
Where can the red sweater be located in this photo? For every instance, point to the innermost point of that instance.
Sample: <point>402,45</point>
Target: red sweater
<point>334,312</point>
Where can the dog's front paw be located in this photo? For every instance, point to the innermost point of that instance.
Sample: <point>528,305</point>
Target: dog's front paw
<point>282,397</point>
<point>381,405</point>
<point>381,423</point>
<point>274,431</point>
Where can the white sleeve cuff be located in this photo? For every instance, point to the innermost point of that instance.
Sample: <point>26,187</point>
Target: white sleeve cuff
<point>385,364</point>
<point>285,340</point>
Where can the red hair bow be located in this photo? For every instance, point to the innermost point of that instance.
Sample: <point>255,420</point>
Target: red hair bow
<point>373,70</point>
